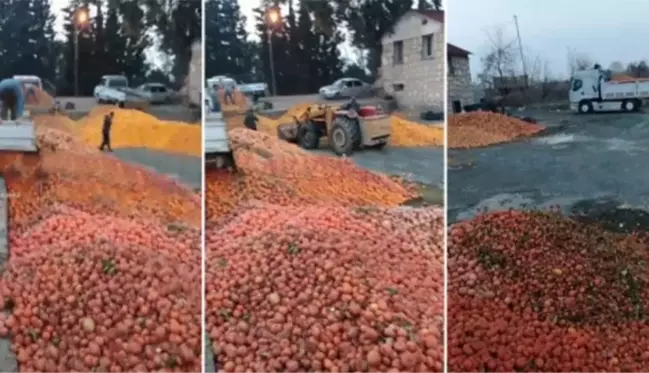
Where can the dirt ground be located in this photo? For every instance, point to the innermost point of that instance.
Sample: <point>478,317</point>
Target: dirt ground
<point>588,165</point>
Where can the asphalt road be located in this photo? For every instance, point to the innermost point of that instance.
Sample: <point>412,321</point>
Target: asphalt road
<point>186,169</point>
<point>422,165</point>
<point>177,112</point>
<point>591,164</point>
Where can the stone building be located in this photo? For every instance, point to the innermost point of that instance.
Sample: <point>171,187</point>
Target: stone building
<point>412,61</point>
<point>460,91</point>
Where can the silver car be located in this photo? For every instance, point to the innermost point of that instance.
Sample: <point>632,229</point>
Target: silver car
<point>345,87</point>
<point>157,93</point>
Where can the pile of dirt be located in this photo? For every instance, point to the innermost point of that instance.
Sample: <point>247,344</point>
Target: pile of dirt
<point>136,129</point>
<point>537,291</point>
<point>481,128</point>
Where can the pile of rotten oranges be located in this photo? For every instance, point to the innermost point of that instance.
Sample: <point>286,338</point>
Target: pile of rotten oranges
<point>104,265</point>
<point>313,266</point>
<point>536,291</point>
<point>482,128</point>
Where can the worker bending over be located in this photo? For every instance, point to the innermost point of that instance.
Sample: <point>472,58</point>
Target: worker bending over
<point>12,99</point>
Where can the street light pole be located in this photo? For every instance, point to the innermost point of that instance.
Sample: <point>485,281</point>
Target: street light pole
<point>272,63</point>
<point>76,60</point>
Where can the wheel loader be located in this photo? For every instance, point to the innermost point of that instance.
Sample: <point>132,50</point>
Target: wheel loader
<point>348,128</point>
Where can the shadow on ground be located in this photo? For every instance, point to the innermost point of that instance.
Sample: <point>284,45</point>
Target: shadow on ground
<point>594,166</point>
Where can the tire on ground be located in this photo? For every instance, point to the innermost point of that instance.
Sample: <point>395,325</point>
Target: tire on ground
<point>347,132</point>
<point>308,136</point>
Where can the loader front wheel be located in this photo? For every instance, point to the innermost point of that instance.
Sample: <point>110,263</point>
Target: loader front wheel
<point>308,136</point>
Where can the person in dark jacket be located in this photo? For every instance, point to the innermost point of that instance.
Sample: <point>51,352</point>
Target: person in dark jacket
<point>250,120</point>
<point>105,132</point>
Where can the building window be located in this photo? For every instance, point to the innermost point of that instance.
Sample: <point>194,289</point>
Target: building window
<point>427,46</point>
<point>451,67</point>
<point>397,57</point>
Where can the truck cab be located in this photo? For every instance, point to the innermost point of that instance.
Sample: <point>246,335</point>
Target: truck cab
<point>592,90</point>
<point>29,79</point>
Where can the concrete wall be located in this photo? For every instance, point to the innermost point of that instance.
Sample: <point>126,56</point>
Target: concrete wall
<point>422,77</point>
<point>459,83</point>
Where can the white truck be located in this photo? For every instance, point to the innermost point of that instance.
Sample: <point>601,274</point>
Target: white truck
<point>252,90</point>
<point>218,152</point>
<point>114,89</point>
<point>592,90</point>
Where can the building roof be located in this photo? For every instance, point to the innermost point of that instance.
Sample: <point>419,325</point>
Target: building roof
<point>454,51</point>
<point>437,15</point>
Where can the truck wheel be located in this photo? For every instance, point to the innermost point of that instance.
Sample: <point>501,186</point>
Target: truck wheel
<point>630,106</point>
<point>585,107</point>
<point>308,136</point>
<point>345,136</point>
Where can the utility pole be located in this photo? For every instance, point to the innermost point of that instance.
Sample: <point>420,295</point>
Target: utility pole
<point>272,62</point>
<point>520,48</point>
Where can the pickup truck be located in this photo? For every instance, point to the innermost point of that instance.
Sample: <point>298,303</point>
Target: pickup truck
<point>254,90</point>
<point>218,152</point>
<point>114,89</point>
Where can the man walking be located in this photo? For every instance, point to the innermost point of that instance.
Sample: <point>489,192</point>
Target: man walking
<point>105,132</point>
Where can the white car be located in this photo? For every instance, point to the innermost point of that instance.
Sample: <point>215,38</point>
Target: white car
<point>221,81</point>
<point>157,93</point>
<point>344,88</point>
<point>114,89</point>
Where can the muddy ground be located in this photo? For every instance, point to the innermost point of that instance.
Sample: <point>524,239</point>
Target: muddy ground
<point>595,165</point>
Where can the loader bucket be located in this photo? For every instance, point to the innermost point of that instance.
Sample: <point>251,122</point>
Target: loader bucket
<point>18,136</point>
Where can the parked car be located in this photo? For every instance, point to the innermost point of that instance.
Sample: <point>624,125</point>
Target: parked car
<point>252,90</point>
<point>157,93</point>
<point>114,89</point>
<point>345,88</point>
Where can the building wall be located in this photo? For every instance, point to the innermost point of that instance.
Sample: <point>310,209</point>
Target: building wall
<point>459,83</point>
<point>423,79</point>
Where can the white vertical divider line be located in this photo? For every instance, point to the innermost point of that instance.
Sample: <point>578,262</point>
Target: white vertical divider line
<point>447,61</point>
<point>203,254</point>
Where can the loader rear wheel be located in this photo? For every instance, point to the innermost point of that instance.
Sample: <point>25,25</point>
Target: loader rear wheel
<point>345,136</point>
<point>308,136</point>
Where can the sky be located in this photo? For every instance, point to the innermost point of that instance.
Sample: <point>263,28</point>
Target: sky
<point>605,31</point>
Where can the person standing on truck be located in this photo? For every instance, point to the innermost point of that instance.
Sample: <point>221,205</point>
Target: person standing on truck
<point>12,98</point>
<point>228,95</point>
<point>105,132</point>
